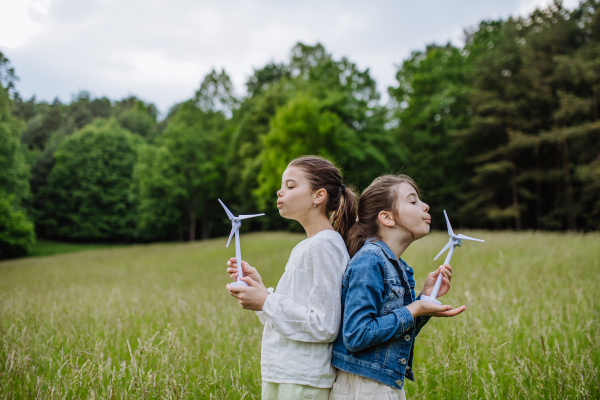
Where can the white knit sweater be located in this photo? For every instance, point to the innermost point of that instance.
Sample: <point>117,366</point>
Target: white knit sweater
<point>302,318</point>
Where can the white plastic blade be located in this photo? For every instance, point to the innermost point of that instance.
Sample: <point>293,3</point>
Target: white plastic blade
<point>250,216</point>
<point>229,214</point>
<point>450,232</point>
<point>446,247</point>
<point>460,236</point>
<point>234,229</point>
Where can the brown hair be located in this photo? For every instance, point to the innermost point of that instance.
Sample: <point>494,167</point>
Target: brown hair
<point>341,200</point>
<point>381,195</point>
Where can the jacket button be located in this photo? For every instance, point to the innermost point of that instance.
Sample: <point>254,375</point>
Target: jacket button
<point>403,361</point>
<point>408,367</point>
<point>399,383</point>
<point>407,337</point>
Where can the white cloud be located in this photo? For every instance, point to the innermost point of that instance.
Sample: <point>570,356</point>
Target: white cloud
<point>19,20</point>
<point>528,6</point>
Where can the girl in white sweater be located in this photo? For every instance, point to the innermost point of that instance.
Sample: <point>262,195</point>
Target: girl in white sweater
<point>302,316</point>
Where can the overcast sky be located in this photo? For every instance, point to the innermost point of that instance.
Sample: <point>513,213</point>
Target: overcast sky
<point>160,50</point>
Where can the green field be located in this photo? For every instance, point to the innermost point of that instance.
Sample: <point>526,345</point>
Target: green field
<point>155,321</point>
<point>50,247</point>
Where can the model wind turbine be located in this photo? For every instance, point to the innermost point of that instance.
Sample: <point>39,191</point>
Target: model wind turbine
<point>455,240</point>
<point>236,223</point>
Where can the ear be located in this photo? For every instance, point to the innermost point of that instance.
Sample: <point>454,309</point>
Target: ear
<point>319,196</point>
<point>387,219</point>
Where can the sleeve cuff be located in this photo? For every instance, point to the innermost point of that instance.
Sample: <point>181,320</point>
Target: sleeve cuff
<point>405,318</point>
<point>270,305</point>
<point>261,317</point>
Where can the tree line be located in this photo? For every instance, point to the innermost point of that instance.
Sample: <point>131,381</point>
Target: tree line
<point>502,132</point>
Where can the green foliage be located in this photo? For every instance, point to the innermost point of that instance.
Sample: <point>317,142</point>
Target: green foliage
<point>429,104</point>
<point>178,177</point>
<point>139,118</point>
<point>16,231</point>
<point>88,195</point>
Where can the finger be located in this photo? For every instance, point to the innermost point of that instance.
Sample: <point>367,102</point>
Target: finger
<point>237,289</point>
<point>443,272</point>
<point>249,281</point>
<point>452,313</point>
<point>234,277</point>
<point>232,270</point>
<point>436,309</point>
<point>448,267</point>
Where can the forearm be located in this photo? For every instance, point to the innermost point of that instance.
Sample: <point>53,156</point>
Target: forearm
<point>360,334</point>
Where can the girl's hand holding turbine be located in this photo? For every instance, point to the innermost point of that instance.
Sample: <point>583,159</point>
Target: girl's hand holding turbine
<point>251,297</point>
<point>446,271</point>
<point>421,307</point>
<point>247,269</point>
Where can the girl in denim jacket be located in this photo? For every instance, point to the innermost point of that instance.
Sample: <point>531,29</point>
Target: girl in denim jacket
<point>381,316</point>
<point>302,317</point>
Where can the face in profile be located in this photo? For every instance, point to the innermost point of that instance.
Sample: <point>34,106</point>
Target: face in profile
<point>295,196</point>
<point>413,212</point>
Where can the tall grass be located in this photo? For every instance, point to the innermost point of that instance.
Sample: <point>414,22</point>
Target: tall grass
<point>155,321</point>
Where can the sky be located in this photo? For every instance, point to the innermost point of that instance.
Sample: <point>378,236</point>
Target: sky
<point>160,50</point>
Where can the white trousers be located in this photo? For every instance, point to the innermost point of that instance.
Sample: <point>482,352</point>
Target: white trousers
<point>353,387</point>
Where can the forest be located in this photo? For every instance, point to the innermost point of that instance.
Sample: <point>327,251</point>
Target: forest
<point>503,133</point>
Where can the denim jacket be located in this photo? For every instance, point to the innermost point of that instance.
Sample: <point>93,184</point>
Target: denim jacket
<point>376,340</point>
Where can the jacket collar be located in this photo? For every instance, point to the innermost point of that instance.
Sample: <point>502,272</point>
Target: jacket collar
<point>386,249</point>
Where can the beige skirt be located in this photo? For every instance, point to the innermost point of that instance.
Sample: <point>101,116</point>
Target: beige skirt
<point>353,387</point>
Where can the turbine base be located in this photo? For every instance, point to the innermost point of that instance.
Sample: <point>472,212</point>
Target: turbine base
<point>431,300</point>
<point>240,283</point>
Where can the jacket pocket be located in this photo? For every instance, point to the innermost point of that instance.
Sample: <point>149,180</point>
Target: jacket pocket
<point>395,299</point>
<point>399,290</point>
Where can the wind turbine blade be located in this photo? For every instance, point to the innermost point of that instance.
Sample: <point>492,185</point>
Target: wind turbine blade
<point>229,214</point>
<point>461,236</point>
<point>450,232</point>
<point>446,247</point>
<point>249,216</point>
<point>234,229</point>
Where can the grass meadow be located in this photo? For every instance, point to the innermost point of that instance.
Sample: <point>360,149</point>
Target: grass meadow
<point>155,321</point>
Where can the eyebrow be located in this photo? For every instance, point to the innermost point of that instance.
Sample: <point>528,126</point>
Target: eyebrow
<point>412,194</point>
<point>288,180</point>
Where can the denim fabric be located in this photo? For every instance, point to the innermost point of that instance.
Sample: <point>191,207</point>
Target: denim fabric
<point>377,335</point>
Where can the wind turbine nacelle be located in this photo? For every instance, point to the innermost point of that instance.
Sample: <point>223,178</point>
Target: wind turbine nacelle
<point>456,240</point>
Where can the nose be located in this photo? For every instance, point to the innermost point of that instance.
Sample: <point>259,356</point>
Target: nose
<point>279,194</point>
<point>425,207</point>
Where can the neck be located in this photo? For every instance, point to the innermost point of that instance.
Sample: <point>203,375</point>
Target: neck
<point>397,240</point>
<point>315,222</point>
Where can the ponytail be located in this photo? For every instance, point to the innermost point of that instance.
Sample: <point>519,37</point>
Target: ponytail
<point>341,200</point>
<point>345,216</point>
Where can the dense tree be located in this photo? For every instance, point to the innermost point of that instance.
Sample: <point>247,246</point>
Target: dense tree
<point>178,177</point>
<point>88,194</point>
<point>16,231</point>
<point>429,104</point>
